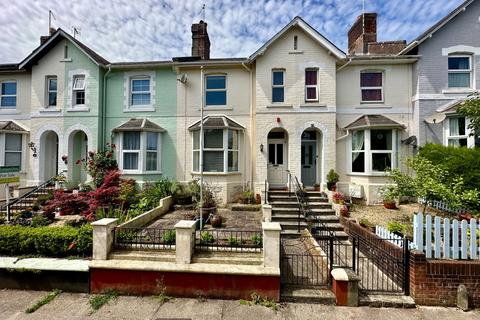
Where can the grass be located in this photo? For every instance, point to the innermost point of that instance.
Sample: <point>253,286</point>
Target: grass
<point>97,301</point>
<point>258,300</point>
<point>45,300</point>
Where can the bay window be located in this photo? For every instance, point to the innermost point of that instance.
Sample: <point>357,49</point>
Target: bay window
<point>13,149</point>
<point>460,71</point>
<point>220,150</point>
<point>311,85</point>
<point>140,151</point>
<point>373,150</point>
<point>371,86</point>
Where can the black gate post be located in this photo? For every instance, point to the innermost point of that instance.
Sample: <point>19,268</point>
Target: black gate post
<point>330,253</point>
<point>406,267</point>
<point>354,245</point>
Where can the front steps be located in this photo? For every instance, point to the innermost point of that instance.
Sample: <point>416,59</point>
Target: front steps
<point>285,211</point>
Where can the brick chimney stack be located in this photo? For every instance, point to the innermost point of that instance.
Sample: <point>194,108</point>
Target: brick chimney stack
<point>363,32</point>
<point>44,39</point>
<point>200,41</point>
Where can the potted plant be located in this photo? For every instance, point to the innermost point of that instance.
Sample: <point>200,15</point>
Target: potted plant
<point>389,196</point>
<point>208,204</point>
<point>364,222</point>
<point>396,227</point>
<point>216,221</point>
<point>344,211</point>
<point>316,187</point>
<point>338,198</point>
<point>332,179</point>
<point>181,194</point>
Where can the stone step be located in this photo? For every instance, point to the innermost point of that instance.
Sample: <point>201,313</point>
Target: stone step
<point>143,255</point>
<point>387,300</point>
<point>286,216</point>
<point>338,234</point>
<point>290,233</point>
<point>292,225</point>
<point>334,226</point>
<point>314,212</point>
<point>326,218</point>
<point>228,258</point>
<point>307,295</point>
<point>288,204</point>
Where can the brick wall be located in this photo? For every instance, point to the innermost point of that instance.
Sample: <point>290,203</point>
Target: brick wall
<point>435,282</point>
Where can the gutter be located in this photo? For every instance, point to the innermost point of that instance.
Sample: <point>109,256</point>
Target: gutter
<point>104,107</point>
<point>345,64</point>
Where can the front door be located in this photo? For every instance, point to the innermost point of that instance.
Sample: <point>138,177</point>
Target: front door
<point>276,175</point>
<point>309,163</point>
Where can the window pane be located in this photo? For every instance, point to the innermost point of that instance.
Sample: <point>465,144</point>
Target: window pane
<point>276,135</point>
<point>371,95</point>
<point>216,82</point>
<point>13,159</point>
<point>130,161</point>
<point>151,161</point>
<point>9,88</point>
<point>79,83</point>
<point>457,126</point>
<point>458,63</point>
<point>280,153</point>
<point>381,140</point>
<point>52,84</point>
<point>196,161</point>
<point>358,140</point>
<point>213,138</point>
<point>358,162</point>
<point>277,95</point>
<point>233,161</point>
<point>52,99</point>
<point>13,142</point>
<point>213,161</point>
<point>457,142</point>
<point>233,139</point>
<point>310,77</point>
<point>381,161</point>
<point>459,80</point>
<point>140,99</point>
<point>152,141</point>
<point>216,98</point>
<point>9,101</point>
<point>271,153</point>
<point>371,79</point>
<point>141,85</point>
<point>277,78</point>
<point>131,140</point>
<point>311,93</point>
<point>196,139</point>
<point>79,97</point>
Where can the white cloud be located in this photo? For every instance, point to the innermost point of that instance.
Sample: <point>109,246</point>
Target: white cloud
<point>123,30</point>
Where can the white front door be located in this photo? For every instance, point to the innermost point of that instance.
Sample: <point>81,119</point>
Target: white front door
<point>309,163</point>
<point>277,166</point>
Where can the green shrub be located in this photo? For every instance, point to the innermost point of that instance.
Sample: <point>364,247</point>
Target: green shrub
<point>39,220</point>
<point>169,237</point>
<point>257,240</point>
<point>395,227</point>
<point>233,242</point>
<point>46,241</point>
<point>206,238</point>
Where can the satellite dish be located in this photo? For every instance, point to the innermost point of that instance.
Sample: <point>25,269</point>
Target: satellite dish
<point>183,78</point>
<point>435,118</point>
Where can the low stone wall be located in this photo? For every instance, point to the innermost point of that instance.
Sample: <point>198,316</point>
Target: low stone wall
<point>149,216</point>
<point>435,282</point>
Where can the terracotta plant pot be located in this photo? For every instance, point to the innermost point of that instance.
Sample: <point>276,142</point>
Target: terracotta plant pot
<point>344,211</point>
<point>216,221</point>
<point>316,188</point>
<point>331,186</point>
<point>390,205</point>
<point>258,198</point>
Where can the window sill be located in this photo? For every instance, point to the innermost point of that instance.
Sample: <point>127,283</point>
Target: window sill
<point>139,109</point>
<point>127,172</point>
<point>9,111</point>
<point>217,173</point>
<point>459,90</point>
<point>66,60</point>
<point>365,105</point>
<point>280,105</point>
<point>215,108</point>
<point>78,109</point>
<point>369,174</point>
<point>49,110</point>
<point>316,105</point>
<point>295,52</point>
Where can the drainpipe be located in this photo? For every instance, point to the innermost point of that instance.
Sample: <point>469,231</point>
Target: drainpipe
<point>104,108</point>
<point>252,123</point>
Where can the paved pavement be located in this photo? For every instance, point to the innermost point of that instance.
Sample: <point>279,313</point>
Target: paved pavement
<point>76,306</point>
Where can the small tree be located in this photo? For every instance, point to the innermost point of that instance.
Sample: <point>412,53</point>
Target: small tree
<point>98,163</point>
<point>470,109</point>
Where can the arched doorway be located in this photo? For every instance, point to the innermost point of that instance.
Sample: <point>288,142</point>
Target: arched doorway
<point>48,155</point>
<point>311,156</point>
<point>277,167</point>
<point>77,150</point>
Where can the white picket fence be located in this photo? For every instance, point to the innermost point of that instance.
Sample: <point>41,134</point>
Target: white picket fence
<point>391,237</point>
<point>444,239</point>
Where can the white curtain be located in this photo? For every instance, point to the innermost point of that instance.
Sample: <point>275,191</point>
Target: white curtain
<point>454,128</point>
<point>131,140</point>
<point>358,139</point>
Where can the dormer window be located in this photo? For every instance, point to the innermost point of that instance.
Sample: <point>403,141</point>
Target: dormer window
<point>460,71</point>
<point>78,90</point>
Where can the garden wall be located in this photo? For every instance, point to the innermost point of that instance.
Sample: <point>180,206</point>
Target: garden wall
<point>146,217</point>
<point>435,282</point>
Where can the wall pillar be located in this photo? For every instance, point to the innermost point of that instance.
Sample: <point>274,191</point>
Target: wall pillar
<point>184,241</point>
<point>103,237</point>
<point>345,287</point>
<point>267,212</point>
<point>271,244</point>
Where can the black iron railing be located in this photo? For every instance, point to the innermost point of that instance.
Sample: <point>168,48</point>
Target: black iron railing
<point>26,201</point>
<point>228,240</point>
<point>144,238</point>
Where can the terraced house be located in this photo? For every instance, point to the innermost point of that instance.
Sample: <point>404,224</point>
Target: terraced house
<point>296,108</point>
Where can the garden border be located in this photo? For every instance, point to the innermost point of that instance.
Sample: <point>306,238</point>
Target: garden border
<point>164,206</point>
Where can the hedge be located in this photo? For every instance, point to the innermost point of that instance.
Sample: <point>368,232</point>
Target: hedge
<point>46,241</point>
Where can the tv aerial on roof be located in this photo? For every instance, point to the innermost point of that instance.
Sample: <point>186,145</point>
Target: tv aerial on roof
<point>435,118</point>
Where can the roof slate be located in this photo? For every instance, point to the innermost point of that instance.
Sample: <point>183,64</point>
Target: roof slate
<point>374,120</point>
<point>139,125</point>
<point>217,122</point>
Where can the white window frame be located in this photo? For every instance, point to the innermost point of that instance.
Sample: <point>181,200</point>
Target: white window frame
<point>79,89</point>
<point>382,100</point>
<point>8,95</point>
<point>469,70</point>
<point>311,85</point>
<point>131,92</point>
<point>142,154</point>
<point>47,103</point>
<point>212,106</point>
<point>468,133</point>
<point>368,152</point>
<point>279,86</point>
<point>224,149</point>
<point>13,151</point>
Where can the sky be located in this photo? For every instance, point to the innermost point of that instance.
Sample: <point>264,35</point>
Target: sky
<point>143,30</point>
